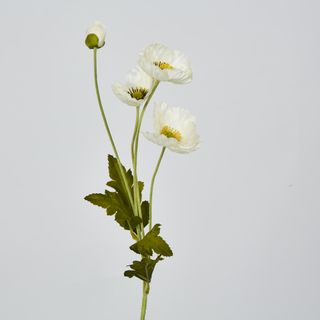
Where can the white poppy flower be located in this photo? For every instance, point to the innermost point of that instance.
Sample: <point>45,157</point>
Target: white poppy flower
<point>174,128</point>
<point>164,64</point>
<point>136,89</point>
<point>96,35</point>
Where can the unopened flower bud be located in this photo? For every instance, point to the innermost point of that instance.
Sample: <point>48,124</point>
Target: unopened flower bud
<point>96,35</point>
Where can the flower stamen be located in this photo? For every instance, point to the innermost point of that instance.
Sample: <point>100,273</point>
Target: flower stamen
<point>138,93</point>
<point>171,133</point>
<point>163,65</point>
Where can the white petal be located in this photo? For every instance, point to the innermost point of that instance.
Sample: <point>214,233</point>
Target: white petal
<point>181,149</point>
<point>160,139</point>
<point>181,72</point>
<point>135,79</point>
<point>178,119</point>
<point>121,91</point>
<point>138,78</point>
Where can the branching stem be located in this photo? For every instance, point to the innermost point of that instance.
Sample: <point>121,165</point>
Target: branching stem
<point>135,157</point>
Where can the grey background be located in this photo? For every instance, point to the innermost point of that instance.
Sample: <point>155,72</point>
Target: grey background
<point>241,214</point>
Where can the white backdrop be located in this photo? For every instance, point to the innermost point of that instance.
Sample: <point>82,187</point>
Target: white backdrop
<point>241,214</point>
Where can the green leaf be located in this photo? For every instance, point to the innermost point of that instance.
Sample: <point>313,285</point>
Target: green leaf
<point>142,269</point>
<point>134,221</point>
<point>98,199</point>
<point>141,186</point>
<point>145,212</point>
<point>117,202</point>
<point>117,182</point>
<point>152,242</point>
<point>122,210</point>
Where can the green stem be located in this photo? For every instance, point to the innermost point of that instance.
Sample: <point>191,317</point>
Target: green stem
<point>124,180</point>
<point>136,192</point>
<point>135,133</point>
<point>152,185</point>
<point>136,146</point>
<point>140,229</point>
<point>145,285</point>
<point>155,86</point>
<point>144,300</point>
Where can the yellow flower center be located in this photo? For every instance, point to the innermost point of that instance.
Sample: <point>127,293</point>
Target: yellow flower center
<point>171,133</point>
<point>138,93</point>
<point>163,65</point>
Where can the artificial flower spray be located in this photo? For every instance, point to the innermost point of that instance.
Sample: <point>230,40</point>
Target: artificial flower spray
<point>173,128</point>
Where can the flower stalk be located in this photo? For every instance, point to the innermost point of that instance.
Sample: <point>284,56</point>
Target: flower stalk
<point>104,118</point>
<point>152,185</point>
<point>135,133</point>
